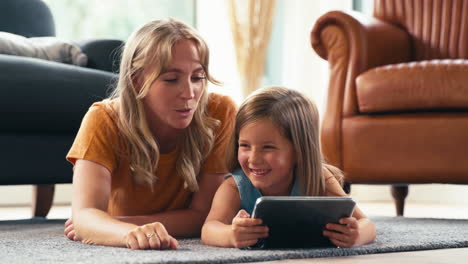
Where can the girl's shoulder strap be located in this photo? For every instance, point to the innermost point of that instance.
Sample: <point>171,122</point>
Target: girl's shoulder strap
<point>247,192</point>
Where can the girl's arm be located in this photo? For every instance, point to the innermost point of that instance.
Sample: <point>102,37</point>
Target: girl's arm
<point>226,226</point>
<point>352,231</point>
<point>217,227</point>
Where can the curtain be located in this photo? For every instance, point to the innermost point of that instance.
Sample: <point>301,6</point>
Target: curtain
<point>251,24</point>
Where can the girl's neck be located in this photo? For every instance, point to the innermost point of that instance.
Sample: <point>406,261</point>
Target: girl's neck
<point>284,190</point>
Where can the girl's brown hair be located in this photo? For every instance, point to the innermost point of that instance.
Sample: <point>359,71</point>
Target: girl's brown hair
<point>297,118</point>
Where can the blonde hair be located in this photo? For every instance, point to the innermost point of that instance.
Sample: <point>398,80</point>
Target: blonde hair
<point>150,48</point>
<point>297,118</point>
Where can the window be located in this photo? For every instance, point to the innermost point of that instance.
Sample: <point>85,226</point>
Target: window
<point>84,19</point>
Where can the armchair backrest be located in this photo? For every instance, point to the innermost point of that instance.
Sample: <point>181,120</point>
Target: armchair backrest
<point>29,18</point>
<point>439,28</point>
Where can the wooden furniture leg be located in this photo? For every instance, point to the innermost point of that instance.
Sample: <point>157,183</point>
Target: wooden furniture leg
<point>347,187</point>
<point>399,193</point>
<point>43,195</point>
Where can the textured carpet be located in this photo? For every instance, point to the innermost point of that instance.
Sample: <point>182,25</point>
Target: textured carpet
<point>42,241</point>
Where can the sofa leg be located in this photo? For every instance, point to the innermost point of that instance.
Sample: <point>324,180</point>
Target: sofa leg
<point>43,195</point>
<point>399,193</point>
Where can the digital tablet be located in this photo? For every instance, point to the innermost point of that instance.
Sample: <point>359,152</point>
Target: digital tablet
<point>298,221</point>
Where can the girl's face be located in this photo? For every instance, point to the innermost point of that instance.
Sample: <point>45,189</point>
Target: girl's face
<point>266,157</point>
<point>173,97</point>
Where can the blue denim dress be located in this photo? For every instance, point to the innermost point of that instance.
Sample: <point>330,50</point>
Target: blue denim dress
<point>249,194</point>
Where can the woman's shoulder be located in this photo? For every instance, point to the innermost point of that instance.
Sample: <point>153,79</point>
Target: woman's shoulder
<point>103,111</point>
<point>101,118</point>
<point>221,105</point>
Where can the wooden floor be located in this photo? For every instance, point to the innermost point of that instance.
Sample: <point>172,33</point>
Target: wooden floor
<point>459,211</point>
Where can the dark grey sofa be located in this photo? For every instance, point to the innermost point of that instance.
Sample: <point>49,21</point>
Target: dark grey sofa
<point>42,102</point>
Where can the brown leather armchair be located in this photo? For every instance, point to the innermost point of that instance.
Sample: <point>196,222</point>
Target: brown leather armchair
<point>397,107</point>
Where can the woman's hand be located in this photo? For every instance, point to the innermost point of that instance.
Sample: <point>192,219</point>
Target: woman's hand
<point>150,236</point>
<point>69,230</point>
<point>345,234</point>
<point>246,231</point>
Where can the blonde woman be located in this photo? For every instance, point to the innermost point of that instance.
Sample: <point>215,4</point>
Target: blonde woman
<point>152,156</point>
<point>275,151</point>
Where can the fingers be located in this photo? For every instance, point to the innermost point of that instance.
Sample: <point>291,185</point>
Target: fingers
<point>346,225</point>
<point>340,243</point>
<point>150,236</point>
<point>174,243</point>
<point>335,235</point>
<point>142,239</point>
<point>132,242</point>
<point>243,219</point>
<point>70,233</point>
<point>164,237</point>
<point>250,229</point>
<point>344,234</point>
<point>243,214</point>
<point>69,230</point>
<point>68,222</point>
<point>338,228</point>
<point>246,231</point>
<point>351,222</point>
<point>245,243</point>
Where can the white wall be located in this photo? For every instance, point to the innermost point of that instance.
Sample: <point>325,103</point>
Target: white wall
<point>303,69</point>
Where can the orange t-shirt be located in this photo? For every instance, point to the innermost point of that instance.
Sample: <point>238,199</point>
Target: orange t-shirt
<point>98,140</point>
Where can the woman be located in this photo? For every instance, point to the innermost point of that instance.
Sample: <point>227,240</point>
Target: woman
<point>152,155</point>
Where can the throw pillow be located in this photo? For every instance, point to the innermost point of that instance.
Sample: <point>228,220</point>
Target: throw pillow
<point>47,48</point>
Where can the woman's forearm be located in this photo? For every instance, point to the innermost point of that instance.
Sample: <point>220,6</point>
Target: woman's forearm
<point>93,226</point>
<point>215,233</point>
<point>178,223</point>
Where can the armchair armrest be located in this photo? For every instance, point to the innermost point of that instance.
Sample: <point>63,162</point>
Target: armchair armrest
<point>352,43</point>
<point>103,54</point>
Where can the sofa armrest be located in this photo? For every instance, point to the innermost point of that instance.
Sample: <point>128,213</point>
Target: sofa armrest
<point>103,54</point>
<point>45,97</point>
<point>352,43</point>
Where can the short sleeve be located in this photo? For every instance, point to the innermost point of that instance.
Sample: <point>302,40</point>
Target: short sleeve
<point>97,139</point>
<point>223,109</point>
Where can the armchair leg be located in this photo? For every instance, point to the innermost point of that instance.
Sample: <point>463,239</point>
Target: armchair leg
<point>43,196</point>
<point>347,187</point>
<point>399,193</point>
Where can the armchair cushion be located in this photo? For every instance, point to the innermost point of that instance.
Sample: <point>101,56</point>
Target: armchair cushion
<point>416,86</point>
<point>48,48</point>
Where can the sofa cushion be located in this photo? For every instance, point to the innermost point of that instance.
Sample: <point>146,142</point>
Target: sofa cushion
<point>416,86</point>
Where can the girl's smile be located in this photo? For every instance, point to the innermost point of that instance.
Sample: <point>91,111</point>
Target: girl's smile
<point>266,157</point>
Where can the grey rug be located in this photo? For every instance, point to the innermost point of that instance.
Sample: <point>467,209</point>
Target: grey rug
<point>42,241</point>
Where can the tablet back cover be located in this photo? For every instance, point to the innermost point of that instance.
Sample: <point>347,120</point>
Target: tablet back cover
<point>299,221</point>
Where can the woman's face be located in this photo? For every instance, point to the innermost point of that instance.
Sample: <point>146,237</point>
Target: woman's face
<point>173,97</point>
<point>266,157</point>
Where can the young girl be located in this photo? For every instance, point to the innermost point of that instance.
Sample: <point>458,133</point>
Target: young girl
<point>276,152</point>
<point>151,156</point>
